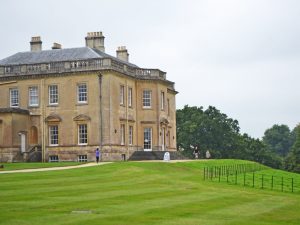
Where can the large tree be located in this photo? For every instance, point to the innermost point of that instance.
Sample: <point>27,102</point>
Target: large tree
<point>292,161</point>
<point>212,130</point>
<point>279,139</point>
<point>207,130</point>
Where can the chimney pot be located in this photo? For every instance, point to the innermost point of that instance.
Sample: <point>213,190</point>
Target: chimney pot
<point>56,46</point>
<point>95,40</point>
<point>36,44</point>
<point>122,53</point>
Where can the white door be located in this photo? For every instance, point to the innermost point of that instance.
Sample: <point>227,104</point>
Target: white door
<point>23,144</point>
<point>148,139</point>
<point>163,134</point>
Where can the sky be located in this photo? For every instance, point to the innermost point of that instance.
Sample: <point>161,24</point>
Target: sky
<point>241,56</point>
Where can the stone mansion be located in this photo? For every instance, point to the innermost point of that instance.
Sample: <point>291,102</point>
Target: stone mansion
<point>64,103</point>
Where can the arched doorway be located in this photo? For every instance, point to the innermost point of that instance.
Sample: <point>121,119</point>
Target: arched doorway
<point>33,136</point>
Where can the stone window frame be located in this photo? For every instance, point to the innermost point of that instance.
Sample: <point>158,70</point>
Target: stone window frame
<point>162,100</point>
<point>130,97</point>
<point>82,120</point>
<point>52,135</point>
<point>51,94</point>
<point>122,134</point>
<point>82,158</point>
<point>82,137</point>
<point>168,106</point>
<point>53,158</point>
<point>130,135</point>
<point>14,101</point>
<point>30,104</point>
<point>147,99</point>
<point>84,94</point>
<point>122,94</point>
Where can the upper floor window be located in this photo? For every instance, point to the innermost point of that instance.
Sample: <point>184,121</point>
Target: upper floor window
<point>33,96</point>
<point>122,94</point>
<point>162,101</point>
<point>168,105</point>
<point>82,93</point>
<point>147,99</point>
<point>82,134</point>
<point>53,95</point>
<point>53,135</point>
<point>14,97</point>
<point>129,97</point>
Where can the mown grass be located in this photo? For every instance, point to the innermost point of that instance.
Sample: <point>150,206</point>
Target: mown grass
<point>139,193</point>
<point>20,166</point>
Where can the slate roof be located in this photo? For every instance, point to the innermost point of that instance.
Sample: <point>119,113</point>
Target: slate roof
<point>57,55</point>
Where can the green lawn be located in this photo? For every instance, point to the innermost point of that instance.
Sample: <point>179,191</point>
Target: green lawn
<point>140,193</point>
<point>19,166</point>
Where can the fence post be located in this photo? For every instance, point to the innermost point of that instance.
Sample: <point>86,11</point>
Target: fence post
<point>262,181</point>
<point>282,184</point>
<point>253,180</point>
<point>272,182</point>
<point>204,173</point>
<point>227,175</point>
<point>219,174</point>
<point>236,177</point>
<point>292,184</point>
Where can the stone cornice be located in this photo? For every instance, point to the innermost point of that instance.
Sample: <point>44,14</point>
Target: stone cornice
<point>14,110</point>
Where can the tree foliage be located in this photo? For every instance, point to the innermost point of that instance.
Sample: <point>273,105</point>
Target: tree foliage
<point>207,130</point>
<point>214,131</point>
<point>279,139</point>
<point>292,161</point>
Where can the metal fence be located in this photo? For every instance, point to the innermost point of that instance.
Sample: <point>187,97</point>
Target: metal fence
<point>252,176</point>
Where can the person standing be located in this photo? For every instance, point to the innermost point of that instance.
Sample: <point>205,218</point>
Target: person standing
<point>207,154</point>
<point>97,155</point>
<point>196,152</point>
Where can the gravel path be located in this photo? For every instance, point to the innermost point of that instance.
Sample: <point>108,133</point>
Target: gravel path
<point>54,168</point>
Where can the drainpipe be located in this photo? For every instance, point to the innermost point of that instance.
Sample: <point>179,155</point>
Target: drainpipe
<point>127,127</point>
<point>43,119</point>
<point>100,111</point>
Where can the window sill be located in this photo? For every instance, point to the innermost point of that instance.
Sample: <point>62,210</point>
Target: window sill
<point>81,103</point>
<point>53,105</point>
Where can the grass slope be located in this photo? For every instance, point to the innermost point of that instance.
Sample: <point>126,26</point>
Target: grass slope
<point>139,193</point>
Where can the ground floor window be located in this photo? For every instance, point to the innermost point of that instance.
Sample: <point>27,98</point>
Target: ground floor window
<point>82,158</point>
<point>82,134</point>
<point>53,158</point>
<point>53,135</point>
<point>122,133</point>
<point>147,138</point>
<point>130,135</point>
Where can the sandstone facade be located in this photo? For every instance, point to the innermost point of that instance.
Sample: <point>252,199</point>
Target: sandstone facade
<point>68,102</point>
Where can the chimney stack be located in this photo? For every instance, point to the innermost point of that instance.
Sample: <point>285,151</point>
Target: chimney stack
<point>122,53</point>
<point>56,46</point>
<point>95,40</point>
<point>36,44</point>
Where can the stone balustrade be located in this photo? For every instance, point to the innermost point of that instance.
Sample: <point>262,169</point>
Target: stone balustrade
<point>80,65</point>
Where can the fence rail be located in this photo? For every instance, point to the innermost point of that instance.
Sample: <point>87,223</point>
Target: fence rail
<point>250,175</point>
